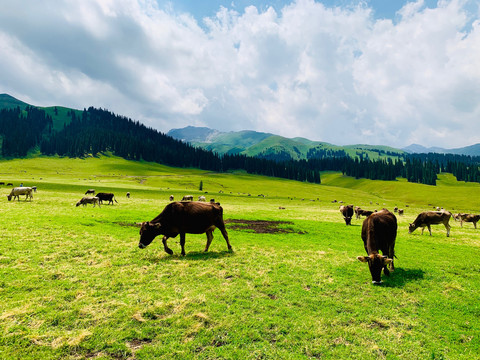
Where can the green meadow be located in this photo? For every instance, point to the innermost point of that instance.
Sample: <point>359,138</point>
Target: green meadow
<point>75,285</point>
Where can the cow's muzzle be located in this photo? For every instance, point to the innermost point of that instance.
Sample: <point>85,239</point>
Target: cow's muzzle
<point>377,282</point>
<point>141,246</point>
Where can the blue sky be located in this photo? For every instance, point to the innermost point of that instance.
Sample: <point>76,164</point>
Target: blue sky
<point>344,72</point>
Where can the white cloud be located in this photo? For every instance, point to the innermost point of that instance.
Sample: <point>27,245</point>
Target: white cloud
<point>330,74</point>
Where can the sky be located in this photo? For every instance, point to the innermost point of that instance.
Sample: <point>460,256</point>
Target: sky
<point>374,72</point>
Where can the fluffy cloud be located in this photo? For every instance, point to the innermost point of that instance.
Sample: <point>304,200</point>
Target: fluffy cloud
<point>329,74</point>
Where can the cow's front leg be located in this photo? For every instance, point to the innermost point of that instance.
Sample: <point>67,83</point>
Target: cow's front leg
<point>164,241</point>
<point>182,243</point>
<point>209,240</point>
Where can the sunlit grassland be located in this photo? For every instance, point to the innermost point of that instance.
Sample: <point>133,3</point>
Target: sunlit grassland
<point>74,284</point>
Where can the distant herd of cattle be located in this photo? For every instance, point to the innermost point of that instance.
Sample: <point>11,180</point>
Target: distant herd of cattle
<point>379,229</point>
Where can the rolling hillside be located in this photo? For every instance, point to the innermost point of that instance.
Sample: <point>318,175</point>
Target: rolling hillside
<point>273,147</point>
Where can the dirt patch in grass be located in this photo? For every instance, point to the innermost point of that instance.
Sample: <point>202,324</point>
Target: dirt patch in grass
<point>262,226</point>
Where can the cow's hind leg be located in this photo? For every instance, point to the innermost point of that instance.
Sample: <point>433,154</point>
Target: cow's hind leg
<point>209,239</point>
<point>430,230</point>
<point>447,226</point>
<point>166,248</point>
<point>182,243</point>
<point>225,235</point>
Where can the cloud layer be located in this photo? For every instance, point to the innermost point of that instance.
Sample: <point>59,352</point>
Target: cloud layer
<point>331,74</point>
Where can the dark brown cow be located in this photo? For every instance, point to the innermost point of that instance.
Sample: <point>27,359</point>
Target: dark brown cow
<point>347,212</point>
<point>379,232</point>
<point>428,218</point>
<point>182,218</point>
<point>106,197</point>
<point>462,217</point>
<point>400,211</point>
<point>361,212</point>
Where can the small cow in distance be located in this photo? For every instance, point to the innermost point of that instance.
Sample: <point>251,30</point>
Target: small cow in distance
<point>428,218</point>
<point>202,198</point>
<point>106,197</point>
<point>379,232</point>
<point>88,200</point>
<point>16,192</point>
<point>128,195</point>
<point>182,218</point>
<point>400,211</point>
<point>171,198</point>
<point>360,212</point>
<point>187,198</point>
<point>462,217</point>
<point>90,191</point>
<point>347,212</point>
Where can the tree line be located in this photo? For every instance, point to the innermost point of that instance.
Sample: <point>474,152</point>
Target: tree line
<point>97,131</point>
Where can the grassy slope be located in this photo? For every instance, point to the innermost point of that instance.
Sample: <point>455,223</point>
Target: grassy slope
<point>75,285</point>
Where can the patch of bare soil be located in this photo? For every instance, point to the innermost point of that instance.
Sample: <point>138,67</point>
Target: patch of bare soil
<point>262,226</point>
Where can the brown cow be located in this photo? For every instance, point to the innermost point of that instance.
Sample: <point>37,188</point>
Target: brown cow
<point>473,218</point>
<point>366,213</point>
<point>379,232</point>
<point>428,218</point>
<point>347,212</point>
<point>88,200</point>
<point>182,218</point>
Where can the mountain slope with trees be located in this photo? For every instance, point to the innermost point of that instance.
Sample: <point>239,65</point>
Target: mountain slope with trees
<point>74,133</point>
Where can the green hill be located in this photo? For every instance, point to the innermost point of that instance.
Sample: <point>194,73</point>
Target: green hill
<point>273,147</point>
<point>9,102</point>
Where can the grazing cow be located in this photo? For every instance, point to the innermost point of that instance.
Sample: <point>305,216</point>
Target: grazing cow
<point>2,183</point>
<point>202,198</point>
<point>428,218</point>
<point>379,232</point>
<point>16,192</point>
<point>34,188</point>
<point>473,218</point>
<point>90,191</point>
<point>182,218</point>
<point>400,211</point>
<point>361,212</point>
<point>355,210</point>
<point>171,198</point>
<point>395,209</point>
<point>89,200</point>
<point>9,184</point>
<point>187,198</point>
<point>347,212</point>
<point>128,195</point>
<point>106,197</point>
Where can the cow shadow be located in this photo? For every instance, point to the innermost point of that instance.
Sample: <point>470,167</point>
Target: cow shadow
<point>402,276</point>
<point>190,256</point>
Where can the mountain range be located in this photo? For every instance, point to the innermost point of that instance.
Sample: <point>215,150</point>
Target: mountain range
<point>254,143</point>
<point>266,145</point>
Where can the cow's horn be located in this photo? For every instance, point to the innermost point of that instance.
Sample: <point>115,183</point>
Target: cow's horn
<point>362,258</point>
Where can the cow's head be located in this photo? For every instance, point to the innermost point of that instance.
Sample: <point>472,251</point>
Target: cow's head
<point>9,197</point>
<point>148,232</point>
<point>376,263</point>
<point>348,220</point>
<point>411,228</point>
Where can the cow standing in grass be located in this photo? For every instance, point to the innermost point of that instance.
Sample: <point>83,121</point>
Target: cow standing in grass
<point>428,218</point>
<point>379,232</point>
<point>88,200</point>
<point>16,192</point>
<point>182,218</point>
<point>347,212</point>
<point>473,218</point>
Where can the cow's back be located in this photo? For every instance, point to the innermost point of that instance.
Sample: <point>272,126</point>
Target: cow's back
<point>379,231</point>
<point>190,217</point>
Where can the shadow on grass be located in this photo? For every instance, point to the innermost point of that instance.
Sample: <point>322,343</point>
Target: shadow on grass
<point>402,276</point>
<point>190,256</point>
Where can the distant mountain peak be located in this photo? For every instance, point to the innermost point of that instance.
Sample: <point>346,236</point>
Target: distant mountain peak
<point>7,102</point>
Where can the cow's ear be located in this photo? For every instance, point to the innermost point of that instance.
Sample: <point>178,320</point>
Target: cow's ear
<point>155,225</point>
<point>388,261</point>
<point>362,258</point>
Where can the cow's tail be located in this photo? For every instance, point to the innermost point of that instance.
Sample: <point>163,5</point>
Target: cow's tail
<point>115,200</point>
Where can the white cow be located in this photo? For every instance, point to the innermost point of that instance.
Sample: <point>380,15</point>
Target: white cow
<point>16,192</point>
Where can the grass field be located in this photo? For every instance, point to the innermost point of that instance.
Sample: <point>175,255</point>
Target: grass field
<point>75,285</point>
